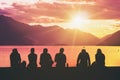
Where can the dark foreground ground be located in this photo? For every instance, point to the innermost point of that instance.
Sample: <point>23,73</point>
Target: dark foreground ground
<point>107,73</point>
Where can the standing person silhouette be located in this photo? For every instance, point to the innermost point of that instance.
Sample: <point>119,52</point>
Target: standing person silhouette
<point>100,58</point>
<point>32,57</point>
<point>83,60</point>
<point>60,59</point>
<point>15,59</point>
<point>45,59</point>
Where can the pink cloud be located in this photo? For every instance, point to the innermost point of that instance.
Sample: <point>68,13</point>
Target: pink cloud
<point>60,11</point>
<point>2,12</point>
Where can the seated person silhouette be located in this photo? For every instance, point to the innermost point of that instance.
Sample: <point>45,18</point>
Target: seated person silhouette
<point>83,60</point>
<point>60,59</point>
<point>99,59</point>
<point>45,59</point>
<point>32,57</point>
<point>15,59</point>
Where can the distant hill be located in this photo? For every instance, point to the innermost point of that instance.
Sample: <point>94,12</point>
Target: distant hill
<point>104,38</point>
<point>13,32</point>
<point>111,40</point>
<point>59,36</point>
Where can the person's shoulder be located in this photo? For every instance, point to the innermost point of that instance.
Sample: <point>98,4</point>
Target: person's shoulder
<point>80,53</point>
<point>41,54</point>
<point>29,54</point>
<point>57,53</point>
<point>97,54</point>
<point>11,53</point>
<point>64,54</point>
<point>19,54</point>
<point>87,53</point>
<point>48,54</point>
<point>35,54</point>
<point>103,54</point>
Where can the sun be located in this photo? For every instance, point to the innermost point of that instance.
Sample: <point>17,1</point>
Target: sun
<point>79,19</point>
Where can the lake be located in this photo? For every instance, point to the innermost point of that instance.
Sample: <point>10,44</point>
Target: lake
<point>112,53</point>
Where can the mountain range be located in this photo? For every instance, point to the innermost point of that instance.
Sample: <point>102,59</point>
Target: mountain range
<point>111,40</point>
<point>13,32</point>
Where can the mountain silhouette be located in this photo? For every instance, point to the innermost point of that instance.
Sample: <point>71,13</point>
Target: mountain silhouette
<point>111,40</point>
<point>13,32</point>
<point>59,36</point>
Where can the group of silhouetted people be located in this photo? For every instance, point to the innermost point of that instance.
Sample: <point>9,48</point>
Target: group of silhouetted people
<point>83,60</point>
<point>45,59</point>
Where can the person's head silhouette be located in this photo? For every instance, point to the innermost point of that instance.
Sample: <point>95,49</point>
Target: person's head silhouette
<point>99,51</point>
<point>23,64</point>
<point>32,50</point>
<point>83,51</point>
<point>45,50</point>
<point>61,50</point>
<point>14,50</point>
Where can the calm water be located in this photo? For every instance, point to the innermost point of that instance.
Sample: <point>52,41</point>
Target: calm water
<point>112,53</point>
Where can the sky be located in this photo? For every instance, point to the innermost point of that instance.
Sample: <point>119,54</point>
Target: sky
<point>99,17</point>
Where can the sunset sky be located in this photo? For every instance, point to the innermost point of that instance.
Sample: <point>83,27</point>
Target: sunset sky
<point>99,17</point>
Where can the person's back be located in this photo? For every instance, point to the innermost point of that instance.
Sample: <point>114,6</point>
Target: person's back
<point>15,59</point>
<point>32,57</point>
<point>100,58</point>
<point>45,59</point>
<point>60,58</point>
<point>32,60</point>
<point>83,60</point>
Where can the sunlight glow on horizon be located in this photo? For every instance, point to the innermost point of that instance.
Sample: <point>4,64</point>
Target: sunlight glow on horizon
<point>99,28</point>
